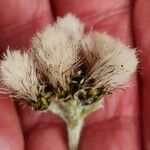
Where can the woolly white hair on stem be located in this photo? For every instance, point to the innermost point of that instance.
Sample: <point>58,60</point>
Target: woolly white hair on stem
<point>115,62</point>
<point>57,50</point>
<point>19,75</point>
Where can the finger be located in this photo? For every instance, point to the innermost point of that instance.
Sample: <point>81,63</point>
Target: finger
<point>109,136</point>
<point>47,137</point>
<point>142,39</point>
<point>107,17</point>
<point>10,130</point>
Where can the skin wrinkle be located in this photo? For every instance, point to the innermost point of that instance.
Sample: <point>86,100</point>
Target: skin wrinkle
<point>74,5</point>
<point>13,26</point>
<point>19,22</point>
<point>102,16</point>
<point>109,15</point>
<point>21,6</point>
<point>108,25</point>
<point>21,27</point>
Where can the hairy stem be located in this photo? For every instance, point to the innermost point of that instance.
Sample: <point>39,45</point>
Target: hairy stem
<point>73,113</point>
<point>74,134</point>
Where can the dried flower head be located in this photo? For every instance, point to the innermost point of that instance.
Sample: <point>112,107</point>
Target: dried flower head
<point>111,62</point>
<point>71,25</point>
<point>74,65</point>
<point>18,74</point>
<point>57,47</point>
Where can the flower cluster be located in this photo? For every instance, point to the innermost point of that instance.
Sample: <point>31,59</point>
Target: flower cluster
<point>65,64</point>
<point>67,72</point>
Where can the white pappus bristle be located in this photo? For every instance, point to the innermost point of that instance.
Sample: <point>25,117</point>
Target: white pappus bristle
<point>72,25</point>
<point>57,50</point>
<point>19,75</point>
<point>114,63</point>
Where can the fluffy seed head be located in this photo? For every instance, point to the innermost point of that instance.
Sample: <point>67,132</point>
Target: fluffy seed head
<point>113,63</point>
<point>72,25</point>
<point>56,48</point>
<point>19,75</point>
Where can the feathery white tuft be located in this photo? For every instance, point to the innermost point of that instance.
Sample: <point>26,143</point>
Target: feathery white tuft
<point>72,25</point>
<point>114,63</point>
<point>57,52</point>
<point>19,75</point>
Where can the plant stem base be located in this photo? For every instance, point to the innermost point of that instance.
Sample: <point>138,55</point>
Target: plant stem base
<point>73,113</point>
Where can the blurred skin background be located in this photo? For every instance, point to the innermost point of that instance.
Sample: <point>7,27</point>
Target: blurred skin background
<point>123,123</point>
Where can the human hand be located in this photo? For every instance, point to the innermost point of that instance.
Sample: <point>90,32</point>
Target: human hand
<point>117,125</point>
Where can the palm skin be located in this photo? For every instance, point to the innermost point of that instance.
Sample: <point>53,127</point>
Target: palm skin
<point>117,126</point>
